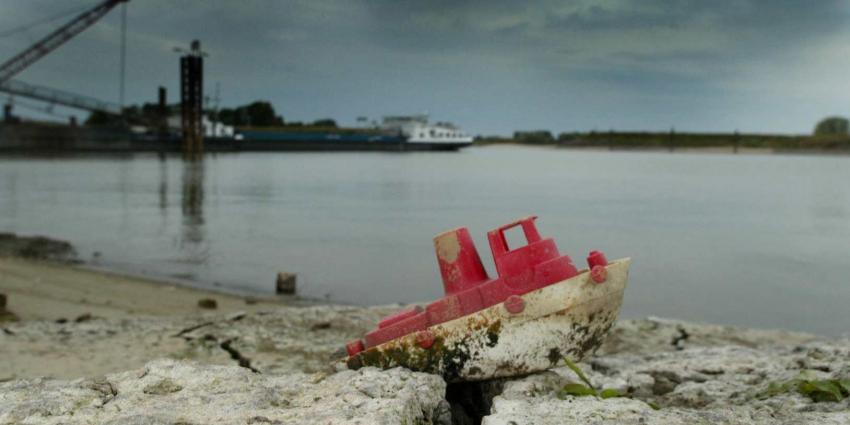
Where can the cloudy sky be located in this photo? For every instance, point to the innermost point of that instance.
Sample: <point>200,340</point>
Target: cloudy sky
<point>491,66</point>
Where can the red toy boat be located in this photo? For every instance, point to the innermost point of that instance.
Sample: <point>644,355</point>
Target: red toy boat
<point>538,309</point>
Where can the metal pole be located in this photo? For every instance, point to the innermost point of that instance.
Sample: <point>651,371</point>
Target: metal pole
<point>123,52</point>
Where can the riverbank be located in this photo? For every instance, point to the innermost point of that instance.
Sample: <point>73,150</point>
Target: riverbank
<point>679,142</point>
<point>144,352</point>
<point>41,290</point>
<point>274,367</point>
<point>42,279</point>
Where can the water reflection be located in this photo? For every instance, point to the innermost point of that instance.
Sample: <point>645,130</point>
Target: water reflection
<point>753,240</point>
<point>192,208</point>
<point>9,199</point>
<point>163,186</point>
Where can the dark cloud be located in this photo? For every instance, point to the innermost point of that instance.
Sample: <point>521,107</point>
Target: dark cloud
<point>493,66</point>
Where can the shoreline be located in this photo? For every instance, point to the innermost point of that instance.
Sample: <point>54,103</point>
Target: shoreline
<point>100,347</point>
<point>724,150</point>
<point>55,291</point>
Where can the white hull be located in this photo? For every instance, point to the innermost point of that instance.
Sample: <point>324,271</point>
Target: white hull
<point>565,319</point>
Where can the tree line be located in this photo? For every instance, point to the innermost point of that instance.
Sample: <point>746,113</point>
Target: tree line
<point>255,114</point>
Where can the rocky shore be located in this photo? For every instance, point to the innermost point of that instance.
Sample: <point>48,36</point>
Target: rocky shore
<point>274,367</point>
<point>250,362</point>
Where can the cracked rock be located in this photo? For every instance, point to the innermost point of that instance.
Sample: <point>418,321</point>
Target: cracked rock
<point>183,392</point>
<point>721,384</point>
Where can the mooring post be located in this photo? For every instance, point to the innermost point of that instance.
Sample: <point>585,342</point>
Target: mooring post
<point>162,114</point>
<point>191,98</point>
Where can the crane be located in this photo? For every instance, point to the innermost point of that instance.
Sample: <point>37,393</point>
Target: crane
<point>55,39</point>
<point>58,97</point>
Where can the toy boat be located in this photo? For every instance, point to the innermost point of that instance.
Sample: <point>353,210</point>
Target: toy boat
<point>538,310</point>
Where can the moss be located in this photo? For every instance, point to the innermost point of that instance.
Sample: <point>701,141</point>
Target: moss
<point>818,390</point>
<point>493,333</point>
<point>438,358</point>
<point>162,387</point>
<point>7,316</point>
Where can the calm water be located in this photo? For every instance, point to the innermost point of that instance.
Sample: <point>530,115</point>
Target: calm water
<point>750,240</point>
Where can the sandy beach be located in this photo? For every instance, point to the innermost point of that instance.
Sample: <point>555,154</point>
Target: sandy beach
<point>44,290</point>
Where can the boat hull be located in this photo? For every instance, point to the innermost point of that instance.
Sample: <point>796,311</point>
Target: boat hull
<point>42,138</point>
<point>566,319</point>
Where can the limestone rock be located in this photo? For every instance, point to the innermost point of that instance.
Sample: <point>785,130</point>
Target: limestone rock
<point>696,373</point>
<point>168,392</point>
<point>722,384</point>
<point>658,334</point>
<point>286,339</point>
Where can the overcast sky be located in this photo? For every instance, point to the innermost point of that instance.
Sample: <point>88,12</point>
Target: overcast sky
<point>491,66</point>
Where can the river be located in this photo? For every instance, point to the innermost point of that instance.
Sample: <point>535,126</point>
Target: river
<point>756,240</point>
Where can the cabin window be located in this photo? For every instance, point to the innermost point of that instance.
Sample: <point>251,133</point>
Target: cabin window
<point>515,238</point>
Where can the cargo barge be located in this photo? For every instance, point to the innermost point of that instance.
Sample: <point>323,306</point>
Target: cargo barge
<point>401,133</point>
<point>397,133</point>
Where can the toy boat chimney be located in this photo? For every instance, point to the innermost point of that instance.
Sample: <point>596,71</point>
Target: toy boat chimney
<point>460,265</point>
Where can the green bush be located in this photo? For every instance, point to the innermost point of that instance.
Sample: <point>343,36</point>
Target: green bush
<point>832,126</point>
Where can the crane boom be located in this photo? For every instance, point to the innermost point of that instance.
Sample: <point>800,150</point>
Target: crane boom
<point>58,97</point>
<point>55,39</point>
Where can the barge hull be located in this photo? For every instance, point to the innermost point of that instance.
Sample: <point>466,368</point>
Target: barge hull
<point>40,138</point>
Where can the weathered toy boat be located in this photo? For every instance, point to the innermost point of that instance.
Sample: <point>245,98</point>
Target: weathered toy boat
<point>539,309</point>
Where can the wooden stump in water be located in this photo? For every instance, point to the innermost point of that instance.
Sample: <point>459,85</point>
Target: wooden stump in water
<point>285,283</point>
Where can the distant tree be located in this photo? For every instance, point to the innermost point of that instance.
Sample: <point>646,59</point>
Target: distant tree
<point>262,114</point>
<point>148,115</point>
<point>832,126</point>
<point>326,122</point>
<point>255,114</point>
<point>99,118</point>
<point>569,138</point>
<point>538,137</point>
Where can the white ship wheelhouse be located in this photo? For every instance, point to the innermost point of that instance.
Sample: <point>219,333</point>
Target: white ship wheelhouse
<point>417,130</point>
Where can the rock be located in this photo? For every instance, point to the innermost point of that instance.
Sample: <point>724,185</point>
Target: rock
<point>285,283</point>
<point>207,303</point>
<point>171,392</point>
<point>321,325</point>
<point>656,334</point>
<point>3,301</point>
<point>85,317</point>
<point>721,384</point>
<point>8,316</point>
<point>36,247</point>
<point>164,386</point>
<point>696,373</point>
<point>286,339</point>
